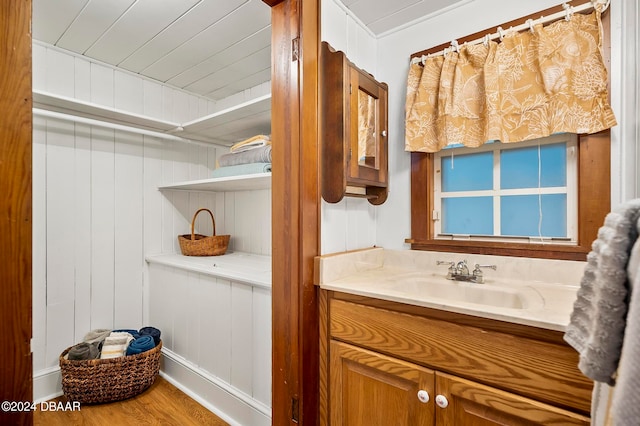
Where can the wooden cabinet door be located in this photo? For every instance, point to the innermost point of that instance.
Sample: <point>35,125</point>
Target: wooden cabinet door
<point>370,389</point>
<point>473,404</point>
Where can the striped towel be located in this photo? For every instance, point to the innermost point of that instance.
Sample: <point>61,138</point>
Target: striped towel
<point>115,345</point>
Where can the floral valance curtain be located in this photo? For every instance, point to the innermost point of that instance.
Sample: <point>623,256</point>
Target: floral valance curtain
<point>532,84</point>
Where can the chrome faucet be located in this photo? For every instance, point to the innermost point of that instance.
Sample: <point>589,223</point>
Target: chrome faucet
<point>460,271</point>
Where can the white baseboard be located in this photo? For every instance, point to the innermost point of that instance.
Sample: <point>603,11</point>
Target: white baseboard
<point>47,384</point>
<point>230,404</point>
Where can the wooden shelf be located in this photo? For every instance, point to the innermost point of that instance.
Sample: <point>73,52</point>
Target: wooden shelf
<point>73,106</point>
<point>252,269</point>
<point>223,184</point>
<point>232,124</point>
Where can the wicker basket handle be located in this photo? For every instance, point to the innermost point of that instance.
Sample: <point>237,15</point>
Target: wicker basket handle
<point>193,223</point>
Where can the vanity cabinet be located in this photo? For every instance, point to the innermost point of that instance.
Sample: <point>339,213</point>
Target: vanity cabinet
<point>354,127</point>
<point>371,389</point>
<point>380,360</point>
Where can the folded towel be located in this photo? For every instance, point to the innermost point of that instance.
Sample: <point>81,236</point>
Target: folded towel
<point>257,155</point>
<point>83,351</point>
<point>242,169</point>
<point>115,345</point>
<point>251,143</point>
<point>151,331</point>
<point>133,333</point>
<point>96,336</point>
<point>141,344</point>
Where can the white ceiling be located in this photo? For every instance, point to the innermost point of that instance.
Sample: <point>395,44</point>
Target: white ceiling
<point>381,16</point>
<point>214,48</point>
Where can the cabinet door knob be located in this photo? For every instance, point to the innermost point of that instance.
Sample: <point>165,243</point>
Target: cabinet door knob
<point>423,396</point>
<point>383,133</point>
<point>441,401</point>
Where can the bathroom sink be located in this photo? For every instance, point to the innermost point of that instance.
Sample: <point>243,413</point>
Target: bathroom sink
<point>432,288</point>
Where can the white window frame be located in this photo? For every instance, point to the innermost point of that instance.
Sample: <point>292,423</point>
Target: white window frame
<point>571,190</point>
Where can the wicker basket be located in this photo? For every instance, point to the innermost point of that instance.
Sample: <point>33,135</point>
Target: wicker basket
<point>201,245</point>
<point>106,380</point>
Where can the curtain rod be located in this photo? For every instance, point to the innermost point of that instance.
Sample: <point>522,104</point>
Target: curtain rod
<point>114,126</point>
<point>500,33</point>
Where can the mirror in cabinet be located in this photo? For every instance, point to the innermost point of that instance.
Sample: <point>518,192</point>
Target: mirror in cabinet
<point>353,130</point>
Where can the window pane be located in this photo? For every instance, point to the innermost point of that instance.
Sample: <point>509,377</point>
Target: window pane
<point>519,166</point>
<point>554,165</point>
<point>519,215</point>
<point>467,172</point>
<point>467,215</point>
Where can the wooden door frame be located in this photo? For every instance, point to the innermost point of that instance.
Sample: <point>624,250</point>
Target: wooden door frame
<point>16,368</point>
<point>295,209</point>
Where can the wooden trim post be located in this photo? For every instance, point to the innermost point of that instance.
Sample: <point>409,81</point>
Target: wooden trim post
<point>16,368</point>
<point>295,210</point>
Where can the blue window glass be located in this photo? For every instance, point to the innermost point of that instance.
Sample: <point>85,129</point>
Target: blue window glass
<point>469,172</point>
<point>519,167</point>
<point>520,214</point>
<point>467,215</point>
<point>554,165</point>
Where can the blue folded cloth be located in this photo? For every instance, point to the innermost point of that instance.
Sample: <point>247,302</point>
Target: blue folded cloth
<point>151,331</point>
<point>134,333</point>
<point>241,169</point>
<point>141,344</point>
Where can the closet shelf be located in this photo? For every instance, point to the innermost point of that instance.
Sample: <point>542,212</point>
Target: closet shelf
<point>58,103</point>
<point>224,127</point>
<point>233,124</point>
<point>248,268</point>
<point>224,184</point>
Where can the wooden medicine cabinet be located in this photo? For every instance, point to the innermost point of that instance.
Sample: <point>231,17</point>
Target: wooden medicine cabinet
<point>353,130</point>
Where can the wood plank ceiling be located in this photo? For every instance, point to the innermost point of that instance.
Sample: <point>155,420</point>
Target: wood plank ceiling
<point>213,48</point>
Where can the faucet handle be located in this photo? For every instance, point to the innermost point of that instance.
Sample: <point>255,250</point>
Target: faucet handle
<point>477,272</point>
<point>452,268</point>
<point>478,266</point>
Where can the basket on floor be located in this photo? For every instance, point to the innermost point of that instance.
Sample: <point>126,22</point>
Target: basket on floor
<point>200,245</point>
<point>107,380</point>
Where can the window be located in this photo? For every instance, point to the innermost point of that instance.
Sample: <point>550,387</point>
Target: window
<point>508,192</point>
<point>520,186</point>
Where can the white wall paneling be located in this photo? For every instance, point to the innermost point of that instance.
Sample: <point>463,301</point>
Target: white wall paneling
<point>98,212</point>
<point>39,245</point>
<point>625,100</point>
<point>220,329</point>
<point>351,223</point>
<point>82,220</point>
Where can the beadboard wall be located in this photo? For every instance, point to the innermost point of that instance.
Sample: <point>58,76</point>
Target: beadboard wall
<point>217,342</point>
<point>351,223</point>
<point>97,210</point>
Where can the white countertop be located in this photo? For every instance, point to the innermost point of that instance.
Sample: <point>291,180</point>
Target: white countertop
<point>534,292</point>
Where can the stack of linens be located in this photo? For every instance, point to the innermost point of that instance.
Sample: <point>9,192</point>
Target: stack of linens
<point>105,343</point>
<point>252,155</point>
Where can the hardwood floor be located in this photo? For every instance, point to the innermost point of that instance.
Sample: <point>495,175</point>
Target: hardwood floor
<point>161,404</point>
